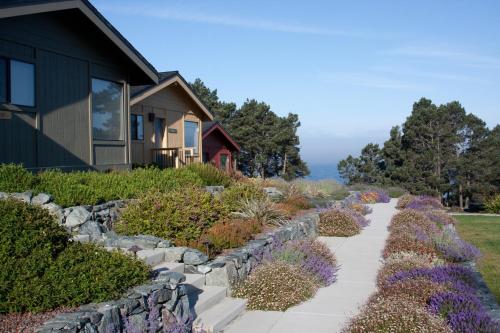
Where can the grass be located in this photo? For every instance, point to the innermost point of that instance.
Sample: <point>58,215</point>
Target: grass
<point>484,232</point>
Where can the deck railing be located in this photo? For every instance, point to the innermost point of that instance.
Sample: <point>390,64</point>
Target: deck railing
<point>173,157</point>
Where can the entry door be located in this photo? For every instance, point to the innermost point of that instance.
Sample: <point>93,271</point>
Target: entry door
<point>159,132</point>
<point>224,161</point>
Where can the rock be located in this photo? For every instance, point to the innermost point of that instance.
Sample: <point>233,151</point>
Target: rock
<point>174,254</point>
<point>92,229</point>
<point>214,190</point>
<point>203,269</point>
<point>194,257</point>
<point>110,318</point>
<point>81,238</point>
<point>164,244</point>
<point>41,199</point>
<point>170,277</point>
<point>127,305</point>
<point>55,210</point>
<point>273,193</point>
<point>145,242</point>
<point>24,196</point>
<point>161,295</point>
<point>222,277</point>
<point>139,322</point>
<point>78,216</point>
<point>3,195</point>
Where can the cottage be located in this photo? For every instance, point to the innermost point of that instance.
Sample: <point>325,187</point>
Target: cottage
<point>218,146</point>
<point>65,76</point>
<point>166,123</point>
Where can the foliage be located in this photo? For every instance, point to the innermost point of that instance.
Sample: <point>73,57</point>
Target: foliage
<point>405,261</point>
<point>492,205</point>
<point>404,201</point>
<point>14,178</point>
<point>424,202</point>
<point>374,196</point>
<point>454,249</point>
<point>276,286</point>
<point>41,270</point>
<point>182,214</point>
<point>396,314</point>
<point>407,243</point>
<point>84,273</point>
<point>439,150</point>
<point>396,191</point>
<point>484,232</point>
<point>230,233</point>
<point>338,222</point>
<point>210,175</point>
<point>418,290</point>
<point>30,241</point>
<point>326,188</point>
<point>440,217</point>
<point>234,196</point>
<point>269,143</point>
<point>263,211</point>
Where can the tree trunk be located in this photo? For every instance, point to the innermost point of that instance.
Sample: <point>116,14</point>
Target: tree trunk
<point>461,197</point>
<point>284,165</point>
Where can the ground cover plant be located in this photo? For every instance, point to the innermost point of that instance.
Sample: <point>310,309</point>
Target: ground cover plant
<point>43,270</point>
<point>289,275</point>
<point>484,232</point>
<point>421,269</point>
<point>373,196</point>
<point>341,222</point>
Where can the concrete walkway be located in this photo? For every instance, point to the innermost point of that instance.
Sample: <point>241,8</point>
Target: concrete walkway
<point>330,309</point>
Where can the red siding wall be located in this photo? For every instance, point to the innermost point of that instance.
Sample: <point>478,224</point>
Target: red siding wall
<point>215,145</point>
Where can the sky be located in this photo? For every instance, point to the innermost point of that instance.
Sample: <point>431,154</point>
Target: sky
<point>350,69</point>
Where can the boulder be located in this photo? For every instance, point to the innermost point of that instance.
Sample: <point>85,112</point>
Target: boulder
<point>92,229</point>
<point>273,193</point>
<point>214,190</point>
<point>55,210</point>
<point>170,277</point>
<point>164,244</point>
<point>78,216</point>
<point>24,196</point>
<point>3,195</point>
<point>41,199</point>
<point>194,257</point>
<point>81,238</point>
<point>225,276</point>
<point>111,320</point>
<point>174,254</point>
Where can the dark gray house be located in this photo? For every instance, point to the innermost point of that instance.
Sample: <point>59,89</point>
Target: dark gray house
<point>65,77</point>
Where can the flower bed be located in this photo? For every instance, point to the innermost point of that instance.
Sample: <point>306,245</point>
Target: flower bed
<point>373,196</point>
<point>422,279</point>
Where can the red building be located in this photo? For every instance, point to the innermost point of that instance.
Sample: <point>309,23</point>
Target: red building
<point>218,146</point>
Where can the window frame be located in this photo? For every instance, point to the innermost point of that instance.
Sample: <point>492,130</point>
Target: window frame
<point>196,149</point>
<point>137,138</point>
<point>8,81</point>
<point>124,121</point>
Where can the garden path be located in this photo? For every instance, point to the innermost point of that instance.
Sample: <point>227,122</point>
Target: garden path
<point>330,309</point>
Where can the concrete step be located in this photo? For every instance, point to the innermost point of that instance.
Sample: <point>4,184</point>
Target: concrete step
<point>195,280</point>
<point>215,319</point>
<point>172,266</point>
<point>152,257</point>
<point>205,298</point>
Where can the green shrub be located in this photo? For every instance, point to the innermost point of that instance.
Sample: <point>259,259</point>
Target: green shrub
<point>395,192</point>
<point>41,270</point>
<point>85,273</point>
<point>181,214</point>
<point>234,196</point>
<point>338,222</point>
<point>14,178</point>
<point>493,205</point>
<point>276,287</point>
<point>210,175</point>
<point>30,240</point>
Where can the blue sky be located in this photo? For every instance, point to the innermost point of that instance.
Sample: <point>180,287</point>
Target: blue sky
<point>350,69</point>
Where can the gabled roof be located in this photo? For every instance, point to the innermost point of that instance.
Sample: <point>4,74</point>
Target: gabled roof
<point>139,93</point>
<point>12,8</point>
<point>210,127</point>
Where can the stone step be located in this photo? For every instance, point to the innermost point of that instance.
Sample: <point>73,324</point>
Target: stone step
<point>172,266</point>
<point>205,298</point>
<point>197,281</point>
<point>152,257</point>
<point>215,319</point>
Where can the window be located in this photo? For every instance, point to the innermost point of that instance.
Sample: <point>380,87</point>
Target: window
<point>107,110</point>
<point>17,82</point>
<point>191,135</point>
<point>137,125</point>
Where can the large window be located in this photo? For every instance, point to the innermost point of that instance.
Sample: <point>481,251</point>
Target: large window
<point>137,126</point>
<point>191,133</point>
<point>17,82</point>
<point>107,110</point>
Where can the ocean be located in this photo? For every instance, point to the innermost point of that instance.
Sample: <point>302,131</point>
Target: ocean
<point>326,171</point>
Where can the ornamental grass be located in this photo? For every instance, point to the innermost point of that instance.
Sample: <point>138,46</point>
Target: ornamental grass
<point>276,286</point>
<point>396,314</point>
<point>338,222</point>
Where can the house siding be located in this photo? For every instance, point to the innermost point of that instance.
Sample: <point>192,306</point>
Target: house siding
<point>67,51</point>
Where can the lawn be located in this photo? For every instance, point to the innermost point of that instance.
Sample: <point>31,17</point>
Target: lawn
<point>484,232</point>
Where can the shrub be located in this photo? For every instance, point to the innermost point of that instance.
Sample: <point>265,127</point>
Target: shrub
<point>182,214</point>
<point>411,221</point>
<point>41,270</point>
<point>405,261</point>
<point>404,201</point>
<point>234,196</point>
<point>30,241</point>
<point>230,233</point>
<point>85,273</point>
<point>396,314</point>
<point>338,222</point>
<point>425,202</point>
<point>396,192</point>
<point>492,205</point>
<point>374,196</point>
<point>263,211</point>
<point>210,175</point>
<point>14,178</point>
<point>454,249</point>
<point>439,216</point>
<point>276,287</point>
<point>407,243</point>
<point>418,290</point>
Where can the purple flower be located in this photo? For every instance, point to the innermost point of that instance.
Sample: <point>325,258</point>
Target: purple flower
<point>383,196</point>
<point>458,250</point>
<point>424,202</point>
<point>317,266</point>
